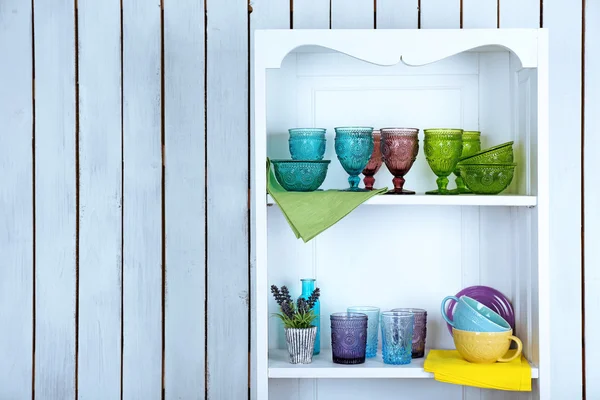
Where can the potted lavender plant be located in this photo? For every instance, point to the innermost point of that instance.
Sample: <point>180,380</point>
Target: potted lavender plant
<point>297,318</point>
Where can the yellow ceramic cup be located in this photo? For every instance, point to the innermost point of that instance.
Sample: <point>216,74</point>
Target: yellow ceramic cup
<point>485,347</point>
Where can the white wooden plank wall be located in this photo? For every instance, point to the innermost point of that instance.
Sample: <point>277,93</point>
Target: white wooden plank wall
<point>227,148</point>
<point>115,230</point>
<point>184,197</point>
<point>16,201</point>
<point>56,202</point>
<point>397,14</point>
<point>100,199</point>
<point>142,209</point>
<point>352,14</point>
<point>565,51</point>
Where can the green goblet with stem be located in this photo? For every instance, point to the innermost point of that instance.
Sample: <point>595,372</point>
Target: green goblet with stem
<point>471,144</point>
<point>443,148</point>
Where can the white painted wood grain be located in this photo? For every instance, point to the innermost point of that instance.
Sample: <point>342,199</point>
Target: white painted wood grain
<point>99,373</point>
<point>142,266</point>
<point>184,200</point>
<point>520,13</point>
<point>352,14</point>
<point>311,14</point>
<point>227,202</point>
<point>440,14</point>
<point>564,24</point>
<point>480,13</point>
<point>394,14</point>
<point>16,197</point>
<point>55,206</point>
<point>592,213</point>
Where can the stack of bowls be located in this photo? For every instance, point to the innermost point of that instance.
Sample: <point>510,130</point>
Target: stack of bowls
<point>480,335</point>
<point>307,170</point>
<point>489,171</point>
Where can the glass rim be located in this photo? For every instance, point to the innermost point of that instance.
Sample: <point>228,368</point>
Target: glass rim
<point>444,130</point>
<point>307,129</point>
<point>348,315</point>
<point>359,309</point>
<point>396,314</point>
<point>410,310</point>
<point>403,130</point>
<point>354,127</point>
<point>308,279</point>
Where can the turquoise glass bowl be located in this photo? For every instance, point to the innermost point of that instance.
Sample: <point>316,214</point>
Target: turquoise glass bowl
<point>300,176</point>
<point>471,315</point>
<point>307,143</point>
<point>354,146</point>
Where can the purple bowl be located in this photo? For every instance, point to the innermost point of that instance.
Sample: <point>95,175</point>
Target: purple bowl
<point>489,297</point>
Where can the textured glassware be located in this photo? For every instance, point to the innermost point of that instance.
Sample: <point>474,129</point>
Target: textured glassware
<point>308,286</point>
<point>374,162</point>
<point>300,176</point>
<point>419,330</point>
<point>348,337</point>
<point>396,337</point>
<point>372,327</point>
<point>307,143</point>
<point>487,178</point>
<point>354,146</point>
<point>399,147</point>
<point>471,145</point>
<point>442,150</point>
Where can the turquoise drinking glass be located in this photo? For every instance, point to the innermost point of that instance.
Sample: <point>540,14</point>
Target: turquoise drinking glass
<point>396,337</point>
<point>307,143</point>
<point>372,327</point>
<point>354,146</point>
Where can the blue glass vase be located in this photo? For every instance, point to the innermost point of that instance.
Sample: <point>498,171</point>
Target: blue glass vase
<point>308,286</point>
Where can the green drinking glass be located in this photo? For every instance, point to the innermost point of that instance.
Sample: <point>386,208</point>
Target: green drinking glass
<point>443,148</point>
<point>471,145</point>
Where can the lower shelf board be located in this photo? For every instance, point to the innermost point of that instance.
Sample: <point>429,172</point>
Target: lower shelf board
<point>323,367</point>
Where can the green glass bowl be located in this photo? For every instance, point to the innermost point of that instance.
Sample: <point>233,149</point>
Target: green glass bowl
<point>487,178</point>
<point>300,176</point>
<point>501,154</point>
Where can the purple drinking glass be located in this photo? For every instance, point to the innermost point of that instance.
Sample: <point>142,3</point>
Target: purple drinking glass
<point>419,330</point>
<point>374,162</point>
<point>348,337</point>
<point>399,148</point>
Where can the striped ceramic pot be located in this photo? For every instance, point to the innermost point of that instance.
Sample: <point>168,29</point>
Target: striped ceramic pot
<point>301,344</point>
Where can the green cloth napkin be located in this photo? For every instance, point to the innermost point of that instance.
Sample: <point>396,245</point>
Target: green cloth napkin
<point>310,213</point>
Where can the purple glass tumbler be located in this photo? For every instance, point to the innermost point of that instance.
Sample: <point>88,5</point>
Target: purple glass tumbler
<point>348,337</point>
<point>419,330</point>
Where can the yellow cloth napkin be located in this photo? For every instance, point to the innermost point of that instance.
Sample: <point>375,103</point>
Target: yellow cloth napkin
<point>449,367</point>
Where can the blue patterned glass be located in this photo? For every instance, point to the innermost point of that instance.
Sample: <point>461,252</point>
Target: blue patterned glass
<point>348,338</point>
<point>307,144</point>
<point>396,337</point>
<point>308,286</point>
<point>354,146</point>
<point>372,327</point>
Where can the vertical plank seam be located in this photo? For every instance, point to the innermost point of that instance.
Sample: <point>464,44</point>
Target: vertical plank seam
<point>33,341</point>
<point>291,27</point>
<point>461,14</point>
<point>330,1</point>
<point>163,214</point>
<point>122,203</point>
<point>249,215</point>
<point>583,49</point>
<point>541,13</point>
<point>374,14</point>
<point>419,14</point>
<point>77,196</point>
<point>206,371</point>
<point>498,14</point>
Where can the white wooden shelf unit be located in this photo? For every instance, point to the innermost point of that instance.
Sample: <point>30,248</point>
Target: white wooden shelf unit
<point>425,247</point>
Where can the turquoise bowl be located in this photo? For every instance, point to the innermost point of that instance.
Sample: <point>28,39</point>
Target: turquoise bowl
<point>300,176</point>
<point>470,315</point>
<point>307,143</point>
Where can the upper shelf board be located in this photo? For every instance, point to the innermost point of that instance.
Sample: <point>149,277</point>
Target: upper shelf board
<point>414,47</point>
<point>323,367</point>
<point>460,200</point>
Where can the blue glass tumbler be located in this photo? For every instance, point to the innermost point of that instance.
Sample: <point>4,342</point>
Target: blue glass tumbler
<point>348,337</point>
<point>372,327</point>
<point>307,143</point>
<point>308,286</point>
<point>396,337</point>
